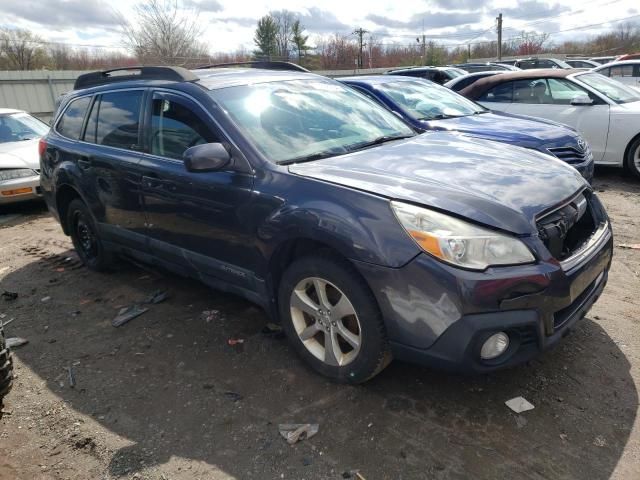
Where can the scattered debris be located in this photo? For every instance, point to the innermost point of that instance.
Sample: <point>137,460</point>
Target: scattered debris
<point>128,313</point>
<point>157,297</point>
<point>353,474</point>
<point>233,396</point>
<point>273,330</point>
<point>599,441</point>
<point>632,246</point>
<point>306,461</point>
<point>294,432</point>
<point>45,299</point>
<point>9,296</point>
<point>72,378</point>
<point>14,342</point>
<point>4,269</point>
<point>4,324</point>
<point>235,341</point>
<point>519,405</point>
<point>209,315</point>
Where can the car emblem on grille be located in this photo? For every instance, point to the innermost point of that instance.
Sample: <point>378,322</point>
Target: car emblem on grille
<point>582,145</point>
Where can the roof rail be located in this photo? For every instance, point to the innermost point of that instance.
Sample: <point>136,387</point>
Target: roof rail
<point>122,74</point>
<point>266,64</point>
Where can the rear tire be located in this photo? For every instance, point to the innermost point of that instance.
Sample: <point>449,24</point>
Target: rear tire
<point>84,235</point>
<point>632,161</point>
<point>6,367</point>
<point>332,319</point>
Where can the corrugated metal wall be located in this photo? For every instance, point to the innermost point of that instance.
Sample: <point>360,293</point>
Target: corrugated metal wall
<point>35,91</point>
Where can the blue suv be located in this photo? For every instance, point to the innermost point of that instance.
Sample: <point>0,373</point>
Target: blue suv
<point>368,242</point>
<point>427,106</point>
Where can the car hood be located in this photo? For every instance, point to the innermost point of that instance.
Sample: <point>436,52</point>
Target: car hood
<point>492,183</point>
<point>518,130</point>
<point>20,154</point>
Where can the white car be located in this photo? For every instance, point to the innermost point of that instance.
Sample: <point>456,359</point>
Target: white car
<point>19,158</point>
<point>626,71</point>
<point>603,110</point>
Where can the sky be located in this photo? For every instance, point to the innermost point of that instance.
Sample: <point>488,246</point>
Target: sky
<point>229,24</point>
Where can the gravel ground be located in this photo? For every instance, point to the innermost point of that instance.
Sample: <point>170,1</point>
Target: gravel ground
<point>166,397</point>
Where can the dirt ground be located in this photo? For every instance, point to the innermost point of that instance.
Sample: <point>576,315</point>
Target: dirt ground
<point>166,397</point>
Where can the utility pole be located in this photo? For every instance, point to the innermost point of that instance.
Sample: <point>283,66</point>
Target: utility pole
<point>360,32</point>
<point>499,27</point>
<point>468,52</point>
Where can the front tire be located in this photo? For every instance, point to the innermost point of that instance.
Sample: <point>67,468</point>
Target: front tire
<point>333,320</point>
<point>632,162</point>
<point>84,236</point>
<point>6,367</point>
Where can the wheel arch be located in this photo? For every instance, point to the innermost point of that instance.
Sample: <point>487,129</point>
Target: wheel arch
<point>65,194</point>
<point>627,149</point>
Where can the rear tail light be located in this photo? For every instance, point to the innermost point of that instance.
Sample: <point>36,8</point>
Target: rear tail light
<point>42,147</point>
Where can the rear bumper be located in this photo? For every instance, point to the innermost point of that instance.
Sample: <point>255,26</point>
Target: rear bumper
<point>439,316</point>
<point>20,189</point>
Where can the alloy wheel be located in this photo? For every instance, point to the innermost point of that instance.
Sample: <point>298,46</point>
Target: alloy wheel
<point>326,321</point>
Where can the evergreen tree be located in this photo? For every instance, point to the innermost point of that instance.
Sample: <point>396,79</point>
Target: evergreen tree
<point>265,37</point>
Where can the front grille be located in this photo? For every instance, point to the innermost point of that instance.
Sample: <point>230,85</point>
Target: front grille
<point>568,227</point>
<point>571,155</point>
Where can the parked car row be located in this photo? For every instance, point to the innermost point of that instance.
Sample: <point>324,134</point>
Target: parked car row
<point>324,206</point>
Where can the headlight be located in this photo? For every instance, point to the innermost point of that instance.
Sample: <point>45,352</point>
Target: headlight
<point>16,173</point>
<point>460,243</point>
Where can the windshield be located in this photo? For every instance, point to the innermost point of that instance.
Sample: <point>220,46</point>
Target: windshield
<point>17,127</point>
<point>612,89</point>
<point>428,101</point>
<point>455,72</point>
<point>562,63</point>
<point>296,119</point>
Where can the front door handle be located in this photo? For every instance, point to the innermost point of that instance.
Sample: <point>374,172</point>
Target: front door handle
<point>155,183</point>
<point>84,163</point>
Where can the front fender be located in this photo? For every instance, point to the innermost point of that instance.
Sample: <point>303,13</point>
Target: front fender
<point>359,225</point>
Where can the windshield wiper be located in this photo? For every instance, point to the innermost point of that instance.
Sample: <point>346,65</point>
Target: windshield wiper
<point>441,116</point>
<point>313,156</point>
<point>376,141</point>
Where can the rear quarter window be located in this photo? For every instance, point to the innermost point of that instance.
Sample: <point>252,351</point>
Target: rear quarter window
<point>70,124</point>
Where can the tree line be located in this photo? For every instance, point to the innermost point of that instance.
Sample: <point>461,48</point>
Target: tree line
<point>164,32</point>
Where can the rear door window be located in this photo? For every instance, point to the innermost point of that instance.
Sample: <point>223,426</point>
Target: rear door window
<point>118,119</point>
<point>70,124</point>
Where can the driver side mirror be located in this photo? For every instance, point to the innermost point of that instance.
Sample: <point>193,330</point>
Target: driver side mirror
<point>581,100</point>
<point>208,157</point>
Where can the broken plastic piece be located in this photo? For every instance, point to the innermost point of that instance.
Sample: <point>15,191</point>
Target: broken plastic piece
<point>157,297</point>
<point>14,342</point>
<point>235,341</point>
<point>294,432</point>
<point>632,246</point>
<point>128,313</point>
<point>519,405</point>
<point>9,296</point>
<point>72,378</point>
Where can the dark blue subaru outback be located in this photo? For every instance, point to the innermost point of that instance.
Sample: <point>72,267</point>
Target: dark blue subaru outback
<point>366,241</point>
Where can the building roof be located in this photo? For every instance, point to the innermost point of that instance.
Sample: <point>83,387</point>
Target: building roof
<point>476,89</point>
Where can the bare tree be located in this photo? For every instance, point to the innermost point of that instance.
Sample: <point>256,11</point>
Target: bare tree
<point>284,20</point>
<point>163,32</point>
<point>21,49</point>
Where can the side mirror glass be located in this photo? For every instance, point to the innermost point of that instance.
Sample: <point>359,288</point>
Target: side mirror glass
<point>581,100</point>
<point>208,157</point>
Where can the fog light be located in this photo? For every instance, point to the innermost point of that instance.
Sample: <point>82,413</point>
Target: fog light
<point>494,346</point>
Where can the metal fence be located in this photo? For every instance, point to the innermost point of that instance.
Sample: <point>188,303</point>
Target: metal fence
<point>36,91</point>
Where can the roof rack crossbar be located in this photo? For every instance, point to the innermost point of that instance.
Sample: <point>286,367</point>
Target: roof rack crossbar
<point>123,74</point>
<point>266,64</point>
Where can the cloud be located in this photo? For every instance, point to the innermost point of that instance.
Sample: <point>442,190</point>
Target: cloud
<point>321,21</point>
<point>533,10</point>
<point>242,21</point>
<point>61,13</point>
<point>204,5</point>
<point>431,20</point>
